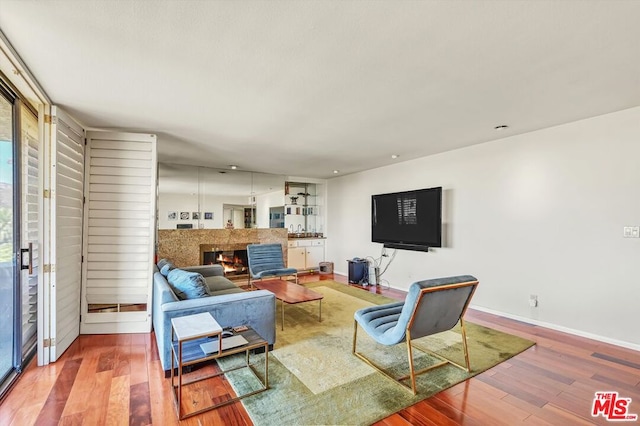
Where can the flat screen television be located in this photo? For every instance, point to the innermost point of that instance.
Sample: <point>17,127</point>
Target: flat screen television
<point>409,220</point>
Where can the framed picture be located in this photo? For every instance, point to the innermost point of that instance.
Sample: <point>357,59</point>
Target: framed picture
<point>184,215</point>
<point>208,215</point>
<point>195,215</point>
<point>172,215</point>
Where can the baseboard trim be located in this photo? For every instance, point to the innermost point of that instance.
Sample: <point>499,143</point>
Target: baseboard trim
<point>622,343</point>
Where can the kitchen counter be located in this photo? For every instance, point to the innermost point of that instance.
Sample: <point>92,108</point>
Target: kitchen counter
<point>304,237</point>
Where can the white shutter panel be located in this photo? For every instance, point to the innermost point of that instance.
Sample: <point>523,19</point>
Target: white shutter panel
<point>30,217</point>
<point>120,191</point>
<point>67,180</point>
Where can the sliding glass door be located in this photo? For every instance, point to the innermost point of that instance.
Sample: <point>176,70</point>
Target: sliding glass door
<point>19,230</point>
<point>8,241</point>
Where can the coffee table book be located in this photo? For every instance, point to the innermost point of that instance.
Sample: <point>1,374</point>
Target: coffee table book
<point>227,343</point>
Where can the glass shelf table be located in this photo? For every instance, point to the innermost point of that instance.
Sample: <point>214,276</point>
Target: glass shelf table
<point>189,334</point>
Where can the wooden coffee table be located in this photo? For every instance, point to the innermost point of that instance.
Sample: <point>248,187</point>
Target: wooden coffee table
<point>290,293</point>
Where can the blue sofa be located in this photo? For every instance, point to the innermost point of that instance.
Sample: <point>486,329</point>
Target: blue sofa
<point>229,305</point>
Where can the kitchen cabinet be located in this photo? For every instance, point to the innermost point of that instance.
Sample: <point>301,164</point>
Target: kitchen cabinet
<point>305,254</point>
<point>296,257</point>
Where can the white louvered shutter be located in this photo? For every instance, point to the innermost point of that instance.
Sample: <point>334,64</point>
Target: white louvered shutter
<point>30,223</point>
<point>120,211</point>
<point>67,180</point>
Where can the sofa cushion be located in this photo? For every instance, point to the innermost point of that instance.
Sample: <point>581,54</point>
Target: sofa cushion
<point>168,267</point>
<point>221,285</point>
<point>226,291</point>
<point>187,285</point>
<point>207,270</point>
<point>161,263</point>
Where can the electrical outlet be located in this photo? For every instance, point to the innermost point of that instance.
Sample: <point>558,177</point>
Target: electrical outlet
<point>533,300</point>
<point>631,231</point>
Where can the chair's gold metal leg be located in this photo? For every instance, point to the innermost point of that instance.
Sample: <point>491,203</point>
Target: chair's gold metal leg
<point>464,345</point>
<point>413,373</point>
<point>424,370</point>
<point>411,367</point>
<point>369,362</point>
<point>266,366</point>
<point>355,336</point>
<point>444,361</point>
<point>381,371</point>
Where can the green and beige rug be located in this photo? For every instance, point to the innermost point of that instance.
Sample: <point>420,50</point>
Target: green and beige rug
<point>315,380</point>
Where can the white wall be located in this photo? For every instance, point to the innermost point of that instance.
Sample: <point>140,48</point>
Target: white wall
<point>540,213</point>
<point>263,203</point>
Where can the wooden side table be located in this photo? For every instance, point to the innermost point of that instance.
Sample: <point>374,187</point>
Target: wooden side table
<point>192,331</point>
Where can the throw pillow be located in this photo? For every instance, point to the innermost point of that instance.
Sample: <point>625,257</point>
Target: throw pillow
<point>162,262</point>
<point>168,267</point>
<point>187,285</point>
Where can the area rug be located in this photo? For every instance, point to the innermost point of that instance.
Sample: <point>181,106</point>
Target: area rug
<point>314,379</point>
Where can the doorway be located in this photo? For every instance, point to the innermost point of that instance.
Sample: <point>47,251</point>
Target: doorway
<point>19,219</point>
<point>8,273</point>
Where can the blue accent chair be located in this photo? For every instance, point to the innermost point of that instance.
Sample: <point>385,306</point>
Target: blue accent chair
<point>431,306</point>
<point>266,260</point>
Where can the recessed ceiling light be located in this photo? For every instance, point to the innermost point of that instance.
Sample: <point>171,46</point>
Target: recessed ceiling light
<point>233,167</point>
<point>394,156</point>
<point>501,127</point>
<point>336,171</point>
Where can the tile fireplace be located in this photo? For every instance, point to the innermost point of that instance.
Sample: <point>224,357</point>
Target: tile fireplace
<point>185,247</point>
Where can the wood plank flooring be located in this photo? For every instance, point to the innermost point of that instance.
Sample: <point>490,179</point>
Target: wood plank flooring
<point>117,379</point>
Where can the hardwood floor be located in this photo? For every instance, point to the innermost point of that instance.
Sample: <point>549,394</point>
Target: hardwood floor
<point>117,379</point>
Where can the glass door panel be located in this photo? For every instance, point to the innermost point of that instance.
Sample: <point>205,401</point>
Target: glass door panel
<point>8,244</point>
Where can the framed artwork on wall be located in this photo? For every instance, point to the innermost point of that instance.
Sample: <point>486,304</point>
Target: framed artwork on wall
<point>184,215</point>
<point>172,215</point>
<point>208,215</point>
<point>195,215</point>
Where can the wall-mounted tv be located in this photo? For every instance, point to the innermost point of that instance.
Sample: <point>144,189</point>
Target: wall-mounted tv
<point>409,220</point>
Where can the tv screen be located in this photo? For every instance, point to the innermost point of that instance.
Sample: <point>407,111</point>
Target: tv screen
<point>410,220</point>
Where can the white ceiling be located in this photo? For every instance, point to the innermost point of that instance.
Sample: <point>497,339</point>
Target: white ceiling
<point>306,87</point>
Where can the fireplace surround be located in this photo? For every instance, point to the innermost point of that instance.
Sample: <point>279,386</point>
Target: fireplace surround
<point>185,247</point>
